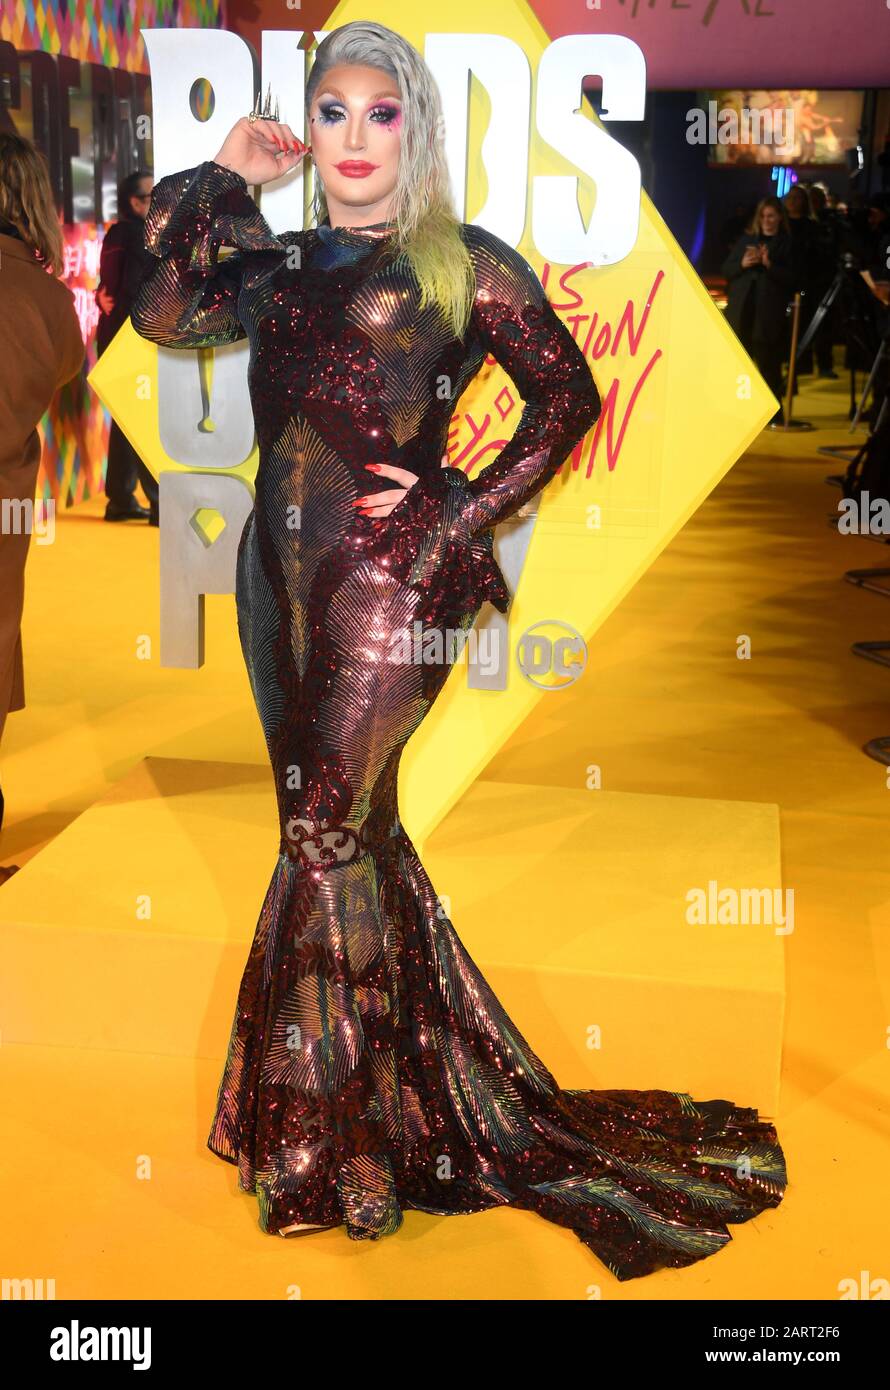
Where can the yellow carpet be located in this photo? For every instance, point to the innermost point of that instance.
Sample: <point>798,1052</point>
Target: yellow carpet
<point>665,709</point>
<point>590,957</point>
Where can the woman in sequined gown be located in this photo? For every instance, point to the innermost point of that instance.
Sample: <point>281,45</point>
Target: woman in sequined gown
<point>371,1069</point>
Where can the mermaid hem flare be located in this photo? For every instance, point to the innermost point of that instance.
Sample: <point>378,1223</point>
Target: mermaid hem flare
<point>415,1091</point>
<point>370,1067</point>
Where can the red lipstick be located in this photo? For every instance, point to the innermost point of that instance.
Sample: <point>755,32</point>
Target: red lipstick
<point>355,168</point>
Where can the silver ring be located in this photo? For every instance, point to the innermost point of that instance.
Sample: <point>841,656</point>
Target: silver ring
<point>264,113</point>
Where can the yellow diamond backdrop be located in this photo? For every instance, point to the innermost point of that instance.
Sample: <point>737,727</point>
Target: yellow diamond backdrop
<point>681,402</point>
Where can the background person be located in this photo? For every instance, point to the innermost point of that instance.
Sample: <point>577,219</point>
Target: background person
<point>829,245</point>
<point>805,249</point>
<point>760,282</point>
<point>37,314</point>
<point>123,262</point>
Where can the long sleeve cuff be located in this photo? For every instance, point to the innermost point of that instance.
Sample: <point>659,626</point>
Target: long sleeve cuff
<point>434,509</point>
<point>196,211</point>
<point>188,297</point>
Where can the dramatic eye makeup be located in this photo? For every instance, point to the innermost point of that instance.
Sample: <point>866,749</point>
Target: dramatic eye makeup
<point>381,113</point>
<point>331,111</point>
<point>384,114</point>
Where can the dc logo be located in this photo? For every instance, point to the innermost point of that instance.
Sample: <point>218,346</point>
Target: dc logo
<point>551,654</point>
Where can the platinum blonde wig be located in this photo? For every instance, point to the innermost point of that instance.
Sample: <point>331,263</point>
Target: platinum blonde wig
<point>426,225</point>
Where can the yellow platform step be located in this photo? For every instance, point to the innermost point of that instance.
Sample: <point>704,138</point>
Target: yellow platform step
<point>131,929</point>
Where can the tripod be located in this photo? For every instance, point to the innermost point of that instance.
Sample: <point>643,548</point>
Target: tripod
<point>864,339</point>
<point>870,469</point>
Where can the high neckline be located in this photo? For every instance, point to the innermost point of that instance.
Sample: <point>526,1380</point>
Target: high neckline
<point>374,231</point>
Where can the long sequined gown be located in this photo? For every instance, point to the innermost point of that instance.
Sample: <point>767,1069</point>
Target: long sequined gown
<point>371,1068</point>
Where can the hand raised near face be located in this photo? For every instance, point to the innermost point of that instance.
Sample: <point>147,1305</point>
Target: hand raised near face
<point>261,150</point>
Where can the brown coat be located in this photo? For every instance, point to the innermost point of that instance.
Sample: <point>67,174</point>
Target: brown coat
<point>41,350</point>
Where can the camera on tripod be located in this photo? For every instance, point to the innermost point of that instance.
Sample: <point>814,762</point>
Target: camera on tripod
<point>862,322</point>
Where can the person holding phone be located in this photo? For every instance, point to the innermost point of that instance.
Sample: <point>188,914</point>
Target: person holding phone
<point>760,283</point>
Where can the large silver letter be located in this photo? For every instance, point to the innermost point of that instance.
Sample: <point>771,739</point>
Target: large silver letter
<point>192,566</point>
<point>557,229</point>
